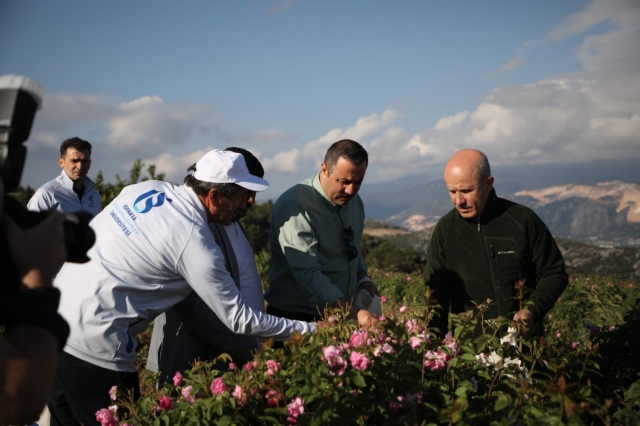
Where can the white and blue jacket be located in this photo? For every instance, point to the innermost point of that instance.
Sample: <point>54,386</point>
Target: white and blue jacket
<point>58,194</point>
<point>153,246</point>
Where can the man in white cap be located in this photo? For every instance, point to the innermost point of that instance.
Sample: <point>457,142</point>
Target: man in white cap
<point>153,247</point>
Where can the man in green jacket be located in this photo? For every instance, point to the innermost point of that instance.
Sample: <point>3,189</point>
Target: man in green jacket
<point>316,229</point>
<point>491,248</point>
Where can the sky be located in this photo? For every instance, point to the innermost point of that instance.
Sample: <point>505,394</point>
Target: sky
<point>525,82</point>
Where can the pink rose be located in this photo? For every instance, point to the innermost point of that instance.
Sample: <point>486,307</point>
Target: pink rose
<point>164,403</point>
<point>218,386</point>
<point>295,408</point>
<point>415,342</point>
<point>107,416</point>
<point>232,366</point>
<point>333,356</point>
<point>177,379</point>
<point>403,309</point>
<point>241,397</point>
<point>385,348</point>
<point>186,392</point>
<point>574,345</point>
<point>383,299</point>
<point>248,366</point>
<point>113,393</point>
<point>359,361</point>
<point>272,365</point>
<point>272,397</point>
<point>358,338</point>
<point>435,360</point>
<point>413,326</point>
<point>451,343</point>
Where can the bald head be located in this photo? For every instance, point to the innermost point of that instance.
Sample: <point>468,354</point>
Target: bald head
<point>469,160</point>
<point>469,181</point>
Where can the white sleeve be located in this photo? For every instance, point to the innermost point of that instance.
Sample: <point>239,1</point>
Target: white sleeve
<point>202,265</point>
<point>250,284</point>
<point>41,201</point>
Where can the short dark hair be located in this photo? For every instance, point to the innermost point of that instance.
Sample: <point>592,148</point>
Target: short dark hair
<point>345,148</point>
<point>75,142</point>
<point>253,164</point>
<point>202,188</point>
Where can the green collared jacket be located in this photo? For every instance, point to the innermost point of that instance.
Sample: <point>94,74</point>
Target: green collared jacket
<point>309,267</point>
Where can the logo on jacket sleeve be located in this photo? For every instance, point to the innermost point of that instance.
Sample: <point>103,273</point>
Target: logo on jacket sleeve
<point>149,200</point>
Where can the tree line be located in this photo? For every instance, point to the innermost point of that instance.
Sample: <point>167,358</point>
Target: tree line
<point>378,253</point>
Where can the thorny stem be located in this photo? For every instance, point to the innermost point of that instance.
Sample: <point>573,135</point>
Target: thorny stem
<point>493,382</point>
<point>584,367</point>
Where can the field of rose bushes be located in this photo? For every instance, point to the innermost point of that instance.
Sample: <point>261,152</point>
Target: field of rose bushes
<point>584,372</point>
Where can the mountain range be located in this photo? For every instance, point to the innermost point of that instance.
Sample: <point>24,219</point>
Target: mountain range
<point>597,203</point>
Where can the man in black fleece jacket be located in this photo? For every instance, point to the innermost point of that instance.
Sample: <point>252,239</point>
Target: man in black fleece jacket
<point>491,248</point>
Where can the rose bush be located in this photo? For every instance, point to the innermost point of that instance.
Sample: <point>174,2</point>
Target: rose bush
<point>584,372</point>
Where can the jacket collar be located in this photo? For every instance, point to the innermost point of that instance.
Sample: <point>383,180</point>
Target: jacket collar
<point>196,202</point>
<point>489,211</point>
<point>315,182</point>
<point>66,180</point>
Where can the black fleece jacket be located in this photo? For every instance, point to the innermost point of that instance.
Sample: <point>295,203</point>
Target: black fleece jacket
<point>475,260</point>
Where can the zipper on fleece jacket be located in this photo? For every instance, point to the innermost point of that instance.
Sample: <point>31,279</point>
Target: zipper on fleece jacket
<point>488,257</point>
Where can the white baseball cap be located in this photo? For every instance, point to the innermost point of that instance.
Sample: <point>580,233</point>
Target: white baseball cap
<point>228,167</point>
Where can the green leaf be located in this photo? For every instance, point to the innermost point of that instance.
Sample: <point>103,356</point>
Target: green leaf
<point>225,420</point>
<point>359,381</point>
<point>502,402</point>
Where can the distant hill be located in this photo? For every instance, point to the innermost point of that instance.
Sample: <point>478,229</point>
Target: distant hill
<point>604,213</point>
<point>608,212</point>
<point>417,201</point>
<point>623,262</point>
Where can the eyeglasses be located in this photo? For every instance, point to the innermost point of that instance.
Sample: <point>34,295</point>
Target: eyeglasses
<point>348,235</point>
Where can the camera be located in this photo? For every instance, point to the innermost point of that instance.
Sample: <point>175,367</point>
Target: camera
<point>20,98</point>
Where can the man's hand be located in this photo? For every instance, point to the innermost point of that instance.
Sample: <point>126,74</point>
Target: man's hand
<point>367,319</point>
<point>39,252</point>
<point>525,317</point>
<point>370,287</point>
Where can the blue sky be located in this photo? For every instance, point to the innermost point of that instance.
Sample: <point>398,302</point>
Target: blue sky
<point>526,82</point>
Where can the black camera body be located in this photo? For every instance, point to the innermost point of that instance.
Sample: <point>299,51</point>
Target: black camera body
<point>20,98</point>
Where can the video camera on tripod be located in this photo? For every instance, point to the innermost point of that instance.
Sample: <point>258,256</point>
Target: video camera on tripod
<point>20,98</point>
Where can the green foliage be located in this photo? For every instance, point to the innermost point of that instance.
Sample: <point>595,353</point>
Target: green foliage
<point>23,195</point>
<point>383,254</point>
<point>109,191</point>
<point>400,287</point>
<point>256,225</point>
<point>574,376</point>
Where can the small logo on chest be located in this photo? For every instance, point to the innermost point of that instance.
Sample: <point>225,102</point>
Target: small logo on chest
<point>506,252</point>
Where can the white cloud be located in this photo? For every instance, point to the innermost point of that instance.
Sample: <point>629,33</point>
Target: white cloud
<point>148,122</point>
<point>60,111</point>
<point>512,64</point>
<point>453,120</point>
<point>259,136</point>
<point>175,167</point>
<point>620,12</point>
<point>286,161</point>
<point>615,51</point>
<point>313,152</point>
